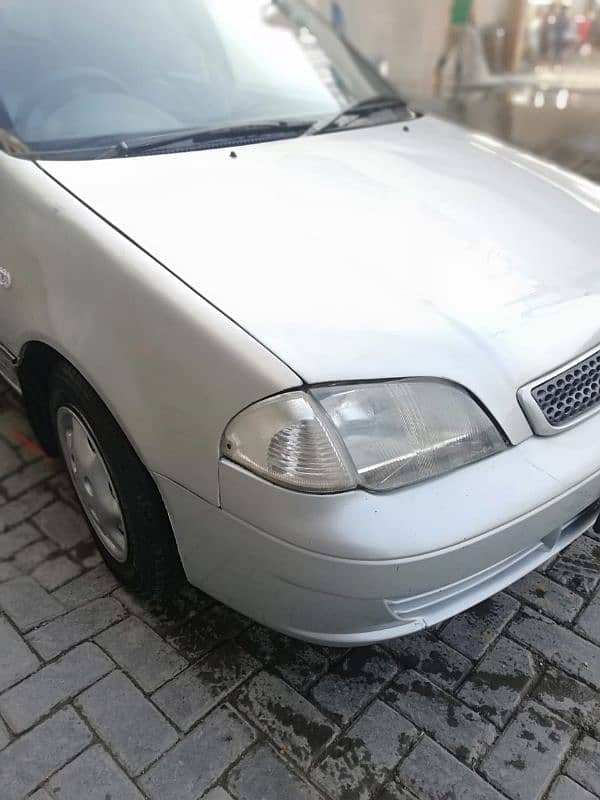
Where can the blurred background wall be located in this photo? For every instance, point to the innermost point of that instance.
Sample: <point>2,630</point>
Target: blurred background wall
<point>527,71</point>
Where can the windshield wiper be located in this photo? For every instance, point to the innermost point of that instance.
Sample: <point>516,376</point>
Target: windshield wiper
<point>364,108</point>
<point>227,136</point>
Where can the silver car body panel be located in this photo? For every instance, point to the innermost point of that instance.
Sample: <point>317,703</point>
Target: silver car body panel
<point>185,287</point>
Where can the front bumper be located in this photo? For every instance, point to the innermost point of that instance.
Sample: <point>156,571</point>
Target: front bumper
<point>356,568</point>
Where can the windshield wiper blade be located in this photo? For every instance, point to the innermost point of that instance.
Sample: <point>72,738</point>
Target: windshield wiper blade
<point>232,134</point>
<point>364,108</point>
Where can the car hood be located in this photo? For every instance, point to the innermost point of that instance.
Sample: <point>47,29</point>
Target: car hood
<point>396,250</point>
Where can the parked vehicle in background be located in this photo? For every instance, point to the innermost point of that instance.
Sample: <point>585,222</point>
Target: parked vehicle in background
<point>336,362</point>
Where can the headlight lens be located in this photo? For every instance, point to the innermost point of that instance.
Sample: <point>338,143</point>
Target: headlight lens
<point>378,436</point>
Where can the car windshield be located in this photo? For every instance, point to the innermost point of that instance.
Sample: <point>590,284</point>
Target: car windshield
<point>77,76</point>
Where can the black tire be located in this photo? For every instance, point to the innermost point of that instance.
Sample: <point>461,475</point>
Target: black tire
<point>152,565</point>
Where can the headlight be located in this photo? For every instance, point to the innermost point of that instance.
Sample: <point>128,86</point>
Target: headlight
<point>377,436</point>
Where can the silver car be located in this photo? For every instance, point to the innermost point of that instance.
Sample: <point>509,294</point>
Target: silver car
<point>336,362</point>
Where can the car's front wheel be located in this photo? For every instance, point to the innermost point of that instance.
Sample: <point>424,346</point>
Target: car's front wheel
<point>117,494</point>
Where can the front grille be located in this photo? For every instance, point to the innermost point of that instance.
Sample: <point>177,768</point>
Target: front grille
<point>573,392</point>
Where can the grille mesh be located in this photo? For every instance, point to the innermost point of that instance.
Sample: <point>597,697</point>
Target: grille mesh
<point>570,394</point>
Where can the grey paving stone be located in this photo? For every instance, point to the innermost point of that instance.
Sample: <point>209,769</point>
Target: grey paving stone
<point>551,598</point>
<point>16,659</point>
<point>147,658</point>
<point>203,631</point>
<point>87,587</point>
<point>200,759</point>
<point>9,460</point>
<point>393,791</point>
<point>425,653</point>
<point>474,631</point>
<point>578,567</point>
<point>292,723</point>
<point>17,539</point>
<point>27,603</point>
<point>93,776</point>
<point>260,774</point>
<point>86,553</point>
<point>584,766</point>
<point>30,476</point>
<point>457,727</point>
<point>4,735</point>
<point>500,681</point>
<point>566,789</point>
<point>29,558</point>
<point>358,763</point>
<point>588,624</point>
<point>127,722</point>
<point>191,695</point>
<point>528,755</point>
<point>352,683</point>
<point>559,645</point>
<point>55,572</point>
<point>63,525</point>
<point>8,571</point>
<point>41,794</point>
<point>217,794</point>
<point>32,758</point>
<point>19,510</point>
<point>298,663</point>
<point>59,635</point>
<point>571,700</point>
<point>25,704</point>
<point>433,774</point>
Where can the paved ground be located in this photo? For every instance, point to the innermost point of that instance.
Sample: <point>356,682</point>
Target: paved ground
<point>102,698</point>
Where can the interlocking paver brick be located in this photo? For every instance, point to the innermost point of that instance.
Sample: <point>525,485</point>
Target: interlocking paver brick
<point>352,683</point>
<point>584,766</point>
<point>433,774</point>
<point>436,660</point>
<point>565,789</point>
<point>17,539</point>
<point>55,572</point>
<point>360,762</point>
<point>559,645</point>
<point>27,603</point>
<point>32,758</point>
<point>87,587</point>
<point>4,735</point>
<point>393,791</point>
<point>217,794</point>
<point>59,635</point>
<point>571,700</point>
<point>63,525</point>
<point>191,695</point>
<point>551,598</point>
<point>8,571</point>
<point>23,507</point>
<point>261,774</point>
<point>472,632</point>
<point>146,658</point>
<point>290,721</point>
<point>298,663</point>
<point>93,776</point>
<point>86,553</point>
<point>25,704</point>
<point>588,624</point>
<point>9,460</point>
<point>500,681</point>
<point>33,555</point>
<point>16,659</point>
<point>200,759</point>
<point>29,476</point>
<point>453,724</point>
<point>203,631</point>
<point>527,756</point>
<point>578,567</point>
<point>131,726</point>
